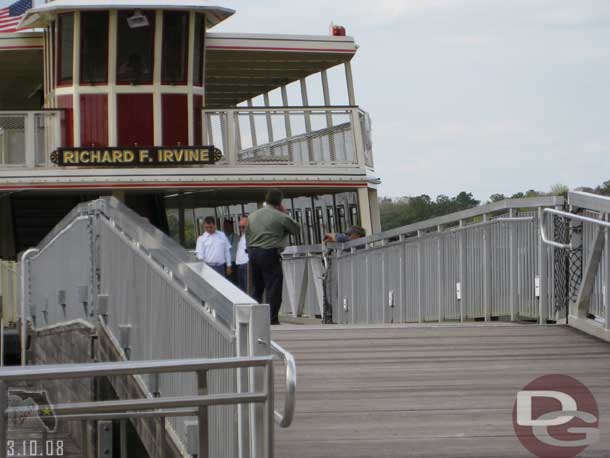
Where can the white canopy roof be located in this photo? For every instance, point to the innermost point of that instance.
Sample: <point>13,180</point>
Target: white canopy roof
<point>40,16</point>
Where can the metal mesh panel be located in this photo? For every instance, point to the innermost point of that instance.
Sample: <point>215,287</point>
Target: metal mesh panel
<point>419,276</point>
<point>561,265</point>
<point>59,277</point>
<point>170,325</point>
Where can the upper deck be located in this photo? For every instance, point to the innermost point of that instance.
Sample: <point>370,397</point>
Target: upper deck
<point>251,101</point>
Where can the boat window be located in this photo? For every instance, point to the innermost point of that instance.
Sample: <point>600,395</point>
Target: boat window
<point>66,48</point>
<point>341,214</point>
<point>198,52</point>
<point>135,47</point>
<point>175,46</point>
<point>94,47</point>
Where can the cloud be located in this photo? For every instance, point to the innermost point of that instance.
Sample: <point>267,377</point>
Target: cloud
<point>484,132</point>
<point>577,14</point>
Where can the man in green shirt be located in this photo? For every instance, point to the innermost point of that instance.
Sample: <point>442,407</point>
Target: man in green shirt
<point>266,234</point>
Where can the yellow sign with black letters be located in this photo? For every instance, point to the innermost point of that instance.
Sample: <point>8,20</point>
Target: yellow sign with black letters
<point>136,157</point>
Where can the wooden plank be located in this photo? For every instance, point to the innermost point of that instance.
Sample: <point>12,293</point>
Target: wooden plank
<point>427,391</point>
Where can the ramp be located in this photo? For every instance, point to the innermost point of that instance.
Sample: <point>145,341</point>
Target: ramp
<point>429,391</point>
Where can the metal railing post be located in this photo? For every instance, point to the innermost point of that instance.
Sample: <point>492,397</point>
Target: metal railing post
<point>29,129</point>
<point>229,136</point>
<point>269,410</point>
<point>202,418</point>
<point>543,272</point>
<point>287,123</point>
<point>606,295</point>
<point>3,418</point>
<point>512,268</point>
<point>360,158</point>
<point>487,296</point>
<point>253,336</point>
<point>463,274</point>
<point>104,439</point>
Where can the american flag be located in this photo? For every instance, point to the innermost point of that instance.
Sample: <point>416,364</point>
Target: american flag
<point>11,15</point>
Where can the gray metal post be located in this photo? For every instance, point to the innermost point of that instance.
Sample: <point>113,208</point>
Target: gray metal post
<point>307,116</point>
<point>160,437</point>
<point>287,122</point>
<point>268,117</point>
<point>420,281</point>
<point>329,114</point>
<point>487,296</point>
<point>439,279</point>
<point>252,124</point>
<point>123,437</point>
<point>543,301</point>
<point>350,84</point>
<point>3,418</point>
<point>104,439</point>
<point>269,410</point>
<point>607,277</point>
<point>463,270</point>
<point>202,418</point>
<point>512,255</point>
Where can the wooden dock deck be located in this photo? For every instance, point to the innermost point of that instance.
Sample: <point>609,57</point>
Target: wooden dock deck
<point>428,391</point>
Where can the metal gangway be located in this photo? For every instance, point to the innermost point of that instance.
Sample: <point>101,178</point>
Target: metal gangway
<point>195,353</point>
<point>542,259</point>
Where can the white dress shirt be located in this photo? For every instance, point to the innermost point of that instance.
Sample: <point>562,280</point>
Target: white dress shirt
<point>241,257</point>
<point>214,249</point>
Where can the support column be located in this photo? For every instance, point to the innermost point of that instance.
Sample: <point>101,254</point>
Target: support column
<point>365,210</point>
<point>543,300</point>
<point>607,278</point>
<point>375,212</point>
<point>350,84</point>
<point>329,114</point>
<point>307,116</point>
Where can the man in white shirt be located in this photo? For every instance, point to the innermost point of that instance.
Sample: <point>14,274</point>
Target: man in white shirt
<point>241,256</point>
<point>214,248</point>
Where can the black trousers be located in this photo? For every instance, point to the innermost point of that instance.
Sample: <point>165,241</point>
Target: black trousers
<point>267,276</point>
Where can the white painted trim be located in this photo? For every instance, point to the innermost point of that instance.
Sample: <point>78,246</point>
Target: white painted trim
<point>157,105</point>
<point>76,81</point>
<point>189,79</point>
<point>113,136</point>
<point>349,79</point>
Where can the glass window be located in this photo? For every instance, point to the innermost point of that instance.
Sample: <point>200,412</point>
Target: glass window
<point>309,228</point>
<point>341,213</point>
<point>135,49</point>
<point>320,225</point>
<point>198,52</point>
<point>94,47</point>
<point>299,219</point>
<point>330,215</point>
<point>66,47</point>
<point>353,215</point>
<point>175,46</point>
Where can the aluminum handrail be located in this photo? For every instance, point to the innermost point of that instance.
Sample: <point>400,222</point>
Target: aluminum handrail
<point>174,402</point>
<point>567,215</point>
<point>316,250</point>
<point>67,371</point>
<point>452,218</point>
<point>131,408</point>
<point>284,420</point>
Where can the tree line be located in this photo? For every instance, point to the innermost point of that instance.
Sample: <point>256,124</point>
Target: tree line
<point>401,211</point>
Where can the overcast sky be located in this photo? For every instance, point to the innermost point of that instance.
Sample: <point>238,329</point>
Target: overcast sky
<point>479,95</point>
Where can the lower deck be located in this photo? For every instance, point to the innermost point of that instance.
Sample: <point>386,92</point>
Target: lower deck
<point>428,391</point>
